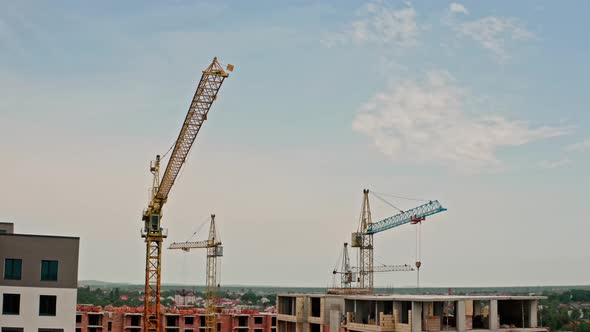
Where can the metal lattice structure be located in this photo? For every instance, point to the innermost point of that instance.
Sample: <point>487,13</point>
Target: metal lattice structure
<point>363,238</point>
<point>348,273</point>
<point>405,217</point>
<point>364,241</point>
<point>206,93</point>
<point>388,268</point>
<point>214,250</point>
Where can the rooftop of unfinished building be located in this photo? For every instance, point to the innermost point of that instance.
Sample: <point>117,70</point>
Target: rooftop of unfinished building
<point>418,297</point>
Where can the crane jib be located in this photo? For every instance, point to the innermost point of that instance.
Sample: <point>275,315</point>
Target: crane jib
<point>205,95</point>
<point>428,209</point>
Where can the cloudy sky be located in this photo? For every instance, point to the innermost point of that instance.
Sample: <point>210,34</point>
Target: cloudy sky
<point>481,105</point>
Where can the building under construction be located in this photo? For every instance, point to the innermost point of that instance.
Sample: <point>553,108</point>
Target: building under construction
<point>406,313</point>
<point>126,319</point>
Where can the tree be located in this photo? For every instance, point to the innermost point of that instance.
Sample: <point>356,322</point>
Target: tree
<point>583,327</point>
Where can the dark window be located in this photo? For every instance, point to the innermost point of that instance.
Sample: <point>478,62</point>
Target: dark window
<point>78,318</point>
<point>316,307</point>
<point>274,321</point>
<point>218,327</point>
<point>12,329</point>
<point>49,270</point>
<point>257,320</point>
<point>78,329</point>
<point>315,327</point>
<point>95,320</point>
<point>109,326</point>
<point>13,268</point>
<point>11,304</point>
<point>242,320</point>
<point>135,321</point>
<point>171,321</point>
<point>47,305</point>
<point>51,330</point>
<point>189,320</point>
<point>406,307</point>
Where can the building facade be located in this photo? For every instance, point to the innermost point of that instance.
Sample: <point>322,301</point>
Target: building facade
<point>406,313</point>
<point>39,281</point>
<point>127,319</point>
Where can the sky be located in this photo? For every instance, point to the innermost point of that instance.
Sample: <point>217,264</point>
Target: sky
<point>483,106</point>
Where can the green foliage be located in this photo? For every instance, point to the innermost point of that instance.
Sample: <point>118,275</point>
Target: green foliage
<point>103,297</point>
<point>583,327</point>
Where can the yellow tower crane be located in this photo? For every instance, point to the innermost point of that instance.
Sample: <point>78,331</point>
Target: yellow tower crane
<point>214,250</point>
<point>206,93</point>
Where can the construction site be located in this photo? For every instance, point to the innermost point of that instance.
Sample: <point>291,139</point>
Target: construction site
<point>349,305</point>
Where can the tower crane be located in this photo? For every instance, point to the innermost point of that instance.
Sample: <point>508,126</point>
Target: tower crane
<point>206,93</point>
<point>348,273</point>
<point>363,238</point>
<point>214,250</point>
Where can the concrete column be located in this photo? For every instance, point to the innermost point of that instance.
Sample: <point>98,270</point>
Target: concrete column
<point>460,316</point>
<point>416,316</point>
<point>335,318</point>
<point>534,305</point>
<point>494,321</point>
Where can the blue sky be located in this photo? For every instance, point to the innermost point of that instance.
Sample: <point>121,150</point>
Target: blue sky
<point>482,105</point>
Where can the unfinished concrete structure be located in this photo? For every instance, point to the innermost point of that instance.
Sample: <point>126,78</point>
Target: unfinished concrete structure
<point>127,319</point>
<point>406,313</point>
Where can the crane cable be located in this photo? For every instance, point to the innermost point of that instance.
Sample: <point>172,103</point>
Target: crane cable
<point>386,202</point>
<point>402,197</point>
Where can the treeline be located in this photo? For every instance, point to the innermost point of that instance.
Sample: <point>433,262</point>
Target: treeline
<point>562,312</point>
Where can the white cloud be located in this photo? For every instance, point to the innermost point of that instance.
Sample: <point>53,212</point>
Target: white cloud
<point>424,122</point>
<point>579,146</point>
<point>555,164</point>
<point>493,33</point>
<point>458,8</point>
<point>378,23</point>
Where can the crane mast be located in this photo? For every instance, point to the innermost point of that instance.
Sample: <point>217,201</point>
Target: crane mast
<point>348,273</point>
<point>364,241</point>
<point>214,250</point>
<point>211,80</point>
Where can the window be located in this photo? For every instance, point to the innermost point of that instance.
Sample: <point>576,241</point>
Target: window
<point>12,329</point>
<point>135,321</point>
<point>78,329</point>
<point>189,320</point>
<point>95,320</point>
<point>47,305</point>
<point>51,330</point>
<point>257,320</point>
<point>11,304</point>
<point>13,268</point>
<point>49,270</point>
<point>78,318</point>
<point>109,326</point>
<point>172,321</point>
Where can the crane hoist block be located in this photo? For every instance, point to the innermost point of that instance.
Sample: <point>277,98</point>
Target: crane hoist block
<point>219,251</point>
